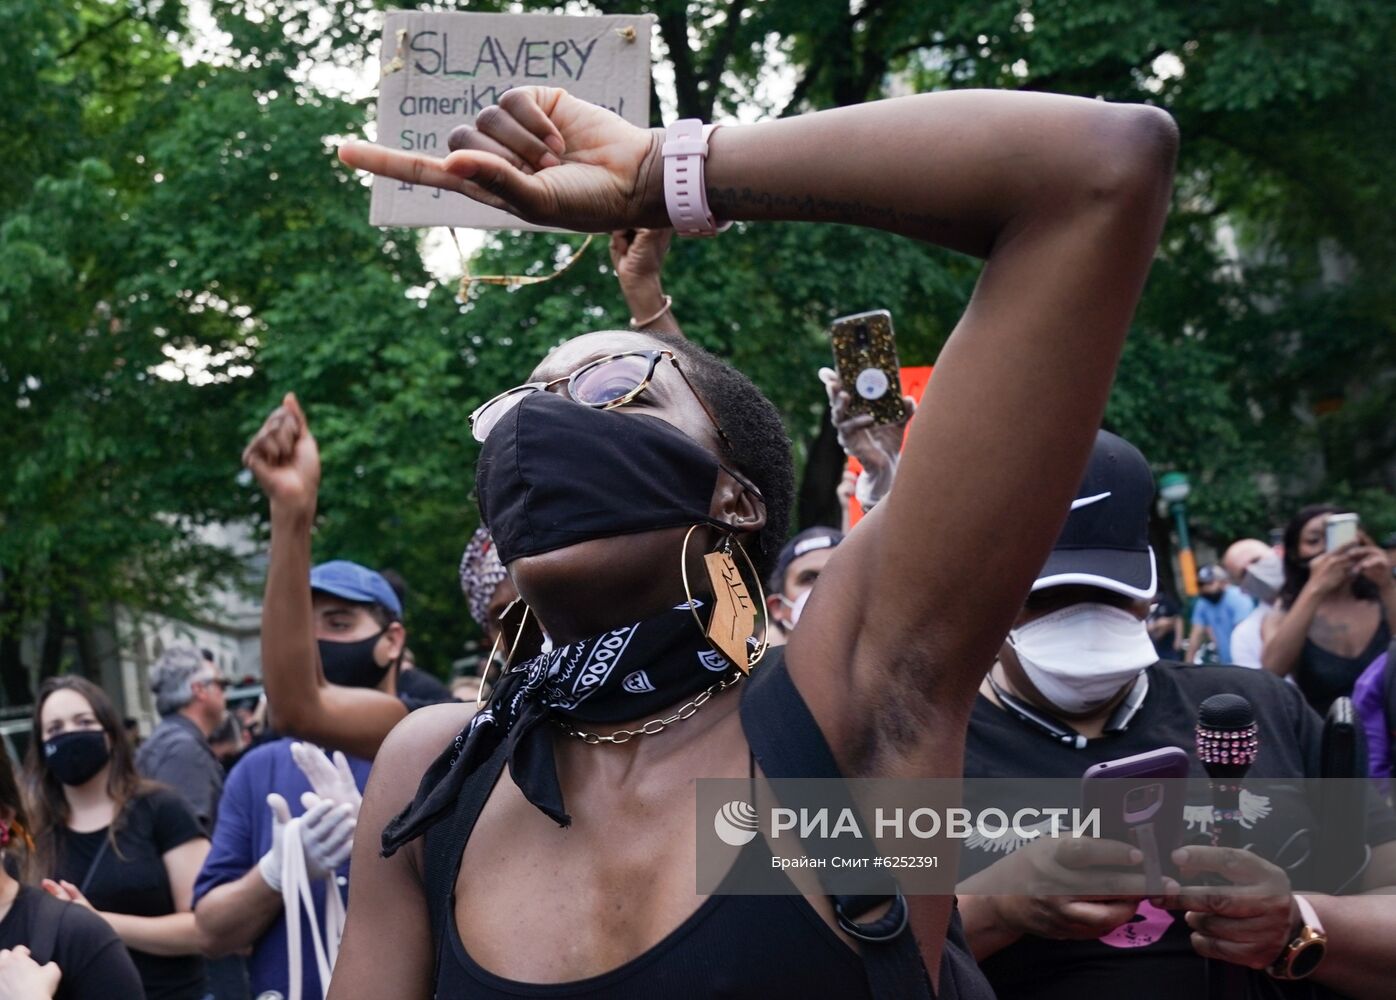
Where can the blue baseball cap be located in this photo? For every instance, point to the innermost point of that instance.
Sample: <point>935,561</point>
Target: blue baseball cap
<point>355,583</point>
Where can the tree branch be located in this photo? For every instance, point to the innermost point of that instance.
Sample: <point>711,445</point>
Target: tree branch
<point>96,33</point>
<point>721,49</point>
<point>797,95</point>
<point>673,25</point>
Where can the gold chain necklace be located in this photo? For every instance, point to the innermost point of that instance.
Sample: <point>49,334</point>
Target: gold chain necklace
<point>654,725</point>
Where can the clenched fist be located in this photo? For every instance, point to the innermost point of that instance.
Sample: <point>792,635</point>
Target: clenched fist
<point>285,459</point>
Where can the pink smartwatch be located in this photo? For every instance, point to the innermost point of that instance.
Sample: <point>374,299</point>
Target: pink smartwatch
<point>685,190</point>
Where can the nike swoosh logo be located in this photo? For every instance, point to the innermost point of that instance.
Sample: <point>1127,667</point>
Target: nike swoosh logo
<point>1087,501</point>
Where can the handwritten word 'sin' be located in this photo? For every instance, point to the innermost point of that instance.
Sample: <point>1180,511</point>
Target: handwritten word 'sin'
<point>534,59</point>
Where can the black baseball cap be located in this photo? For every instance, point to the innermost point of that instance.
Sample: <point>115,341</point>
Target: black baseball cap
<point>807,541</point>
<point>1105,541</point>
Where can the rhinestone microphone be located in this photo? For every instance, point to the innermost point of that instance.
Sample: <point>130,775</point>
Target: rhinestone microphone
<point>1227,742</point>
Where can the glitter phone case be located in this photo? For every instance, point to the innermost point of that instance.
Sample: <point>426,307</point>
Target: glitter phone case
<point>865,355</point>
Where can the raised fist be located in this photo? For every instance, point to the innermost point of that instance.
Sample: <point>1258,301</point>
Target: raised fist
<point>285,459</point>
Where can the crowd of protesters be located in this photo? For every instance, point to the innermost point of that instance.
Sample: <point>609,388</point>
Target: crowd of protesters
<point>965,627</point>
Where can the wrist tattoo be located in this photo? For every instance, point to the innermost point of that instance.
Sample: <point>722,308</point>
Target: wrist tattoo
<point>814,208</point>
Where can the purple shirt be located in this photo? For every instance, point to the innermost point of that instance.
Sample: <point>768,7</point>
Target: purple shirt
<point>1369,701</point>
<point>243,835</point>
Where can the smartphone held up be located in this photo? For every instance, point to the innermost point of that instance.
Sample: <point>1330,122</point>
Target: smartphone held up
<point>1339,530</point>
<point>865,356</point>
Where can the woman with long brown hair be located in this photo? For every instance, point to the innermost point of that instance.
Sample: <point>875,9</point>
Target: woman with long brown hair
<point>125,848</point>
<point>89,957</point>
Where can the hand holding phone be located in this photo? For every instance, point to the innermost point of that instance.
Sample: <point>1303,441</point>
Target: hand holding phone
<point>1064,889</point>
<point>865,355</point>
<point>1140,801</point>
<point>1339,530</point>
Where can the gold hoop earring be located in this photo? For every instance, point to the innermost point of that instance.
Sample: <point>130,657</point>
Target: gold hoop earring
<point>763,625</point>
<point>482,696</point>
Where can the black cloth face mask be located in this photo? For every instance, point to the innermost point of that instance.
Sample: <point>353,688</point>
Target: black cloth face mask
<point>632,672</point>
<point>554,473</point>
<point>75,756</point>
<point>351,664</point>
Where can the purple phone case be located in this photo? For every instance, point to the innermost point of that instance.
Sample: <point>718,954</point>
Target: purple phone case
<point>1139,811</point>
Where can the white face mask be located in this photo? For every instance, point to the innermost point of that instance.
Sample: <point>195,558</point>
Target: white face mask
<point>1080,657</point>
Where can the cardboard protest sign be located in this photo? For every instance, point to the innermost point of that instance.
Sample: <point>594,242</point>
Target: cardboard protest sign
<point>440,70</point>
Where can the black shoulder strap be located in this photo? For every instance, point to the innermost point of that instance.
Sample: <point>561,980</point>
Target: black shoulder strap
<point>96,863</point>
<point>443,845</point>
<point>786,741</point>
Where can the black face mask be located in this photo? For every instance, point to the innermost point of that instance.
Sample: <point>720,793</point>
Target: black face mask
<point>351,664</point>
<point>554,473</point>
<point>74,757</point>
<point>1214,598</point>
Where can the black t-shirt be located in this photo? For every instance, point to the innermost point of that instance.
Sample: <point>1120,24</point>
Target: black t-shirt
<point>132,879</point>
<point>1151,958</point>
<point>417,689</point>
<point>93,960</point>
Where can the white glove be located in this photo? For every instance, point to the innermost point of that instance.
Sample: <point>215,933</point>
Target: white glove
<point>333,781</point>
<point>327,834</point>
<point>270,863</point>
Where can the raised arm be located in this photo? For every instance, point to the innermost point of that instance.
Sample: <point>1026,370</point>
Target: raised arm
<point>638,258</point>
<point>286,461</point>
<point>1064,197</point>
<point>1285,629</point>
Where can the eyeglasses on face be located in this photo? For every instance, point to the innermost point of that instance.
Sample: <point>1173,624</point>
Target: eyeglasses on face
<point>602,384</point>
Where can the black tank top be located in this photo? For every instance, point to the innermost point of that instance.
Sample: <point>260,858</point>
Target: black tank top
<point>1324,676</point>
<point>774,947</point>
<point>769,946</point>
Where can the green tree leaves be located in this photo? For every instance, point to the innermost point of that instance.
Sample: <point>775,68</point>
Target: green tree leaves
<point>178,247</point>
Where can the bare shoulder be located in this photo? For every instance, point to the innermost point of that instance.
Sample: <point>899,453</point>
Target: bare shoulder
<point>418,740</point>
<point>406,754</point>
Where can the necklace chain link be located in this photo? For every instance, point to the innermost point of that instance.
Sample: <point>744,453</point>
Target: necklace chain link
<point>654,725</point>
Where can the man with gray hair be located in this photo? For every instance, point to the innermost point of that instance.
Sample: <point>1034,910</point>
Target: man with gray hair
<point>189,695</point>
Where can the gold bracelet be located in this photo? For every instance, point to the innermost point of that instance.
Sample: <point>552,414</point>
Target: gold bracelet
<point>640,324</point>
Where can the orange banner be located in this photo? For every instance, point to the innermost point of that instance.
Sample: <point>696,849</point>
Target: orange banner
<point>914,381</point>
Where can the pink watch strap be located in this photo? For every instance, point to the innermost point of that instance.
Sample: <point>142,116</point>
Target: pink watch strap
<point>685,188</point>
